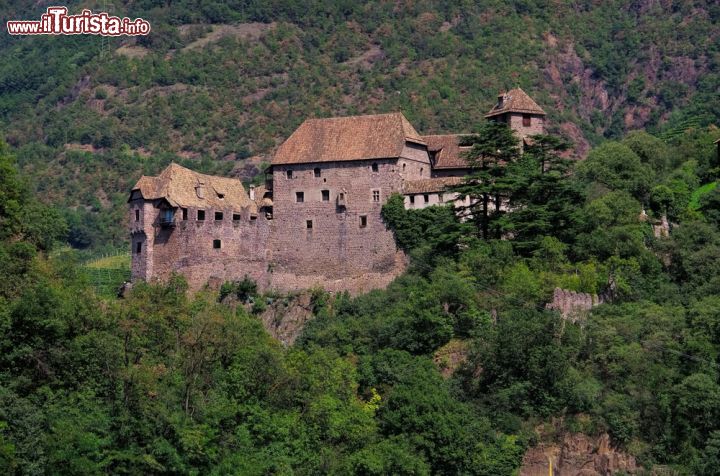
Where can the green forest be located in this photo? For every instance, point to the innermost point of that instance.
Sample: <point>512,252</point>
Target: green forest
<point>166,382</point>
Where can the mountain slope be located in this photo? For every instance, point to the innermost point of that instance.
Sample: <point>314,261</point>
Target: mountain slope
<point>216,83</point>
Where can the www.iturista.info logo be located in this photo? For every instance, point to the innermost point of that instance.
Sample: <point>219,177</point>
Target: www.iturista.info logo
<point>57,22</point>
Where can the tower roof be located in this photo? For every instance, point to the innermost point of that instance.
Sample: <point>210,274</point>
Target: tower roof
<point>179,186</point>
<point>515,100</point>
<point>347,138</point>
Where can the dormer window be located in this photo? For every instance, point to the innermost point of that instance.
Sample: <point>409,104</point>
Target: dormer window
<point>501,101</point>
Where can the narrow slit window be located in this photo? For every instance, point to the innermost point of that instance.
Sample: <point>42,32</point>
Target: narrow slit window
<point>217,244</point>
<point>426,197</point>
<point>299,197</point>
<point>218,216</point>
<point>184,213</point>
<point>317,172</point>
<point>308,224</point>
<point>137,215</point>
<point>326,195</point>
<point>363,221</point>
<point>138,247</point>
<point>201,215</point>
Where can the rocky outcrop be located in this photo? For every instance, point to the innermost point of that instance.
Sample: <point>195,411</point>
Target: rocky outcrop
<point>285,318</point>
<point>578,455</point>
<point>451,356</point>
<point>572,305</point>
<point>662,229</point>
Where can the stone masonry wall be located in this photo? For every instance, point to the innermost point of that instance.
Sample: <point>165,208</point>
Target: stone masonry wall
<point>187,248</point>
<point>339,251</point>
<point>537,125</point>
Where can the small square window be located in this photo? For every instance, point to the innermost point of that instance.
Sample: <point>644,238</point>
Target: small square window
<point>289,173</point>
<point>426,197</point>
<point>184,213</point>
<point>326,195</point>
<point>138,247</point>
<point>317,172</point>
<point>201,215</point>
<point>374,167</point>
<point>236,217</point>
<point>363,221</point>
<point>218,216</point>
<point>137,215</point>
<point>253,217</point>
<point>527,120</point>
<point>221,196</point>
<point>308,224</point>
<point>217,244</point>
<point>299,197</point>
<point>376,195</point>
<point>412,198</point>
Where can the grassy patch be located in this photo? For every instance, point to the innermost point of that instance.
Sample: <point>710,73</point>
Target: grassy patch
<point>697,194</point>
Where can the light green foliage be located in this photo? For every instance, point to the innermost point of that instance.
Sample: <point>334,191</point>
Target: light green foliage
<point>616,167</point>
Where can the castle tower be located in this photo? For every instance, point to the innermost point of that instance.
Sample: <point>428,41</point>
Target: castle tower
<point>520,112</point>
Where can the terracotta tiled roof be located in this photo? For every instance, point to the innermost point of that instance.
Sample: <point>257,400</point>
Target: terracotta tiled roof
<point>347,138</point>
<point>431,185</point>
<point>515,100</point>
<point>181,187</point>
<point>448,152</point>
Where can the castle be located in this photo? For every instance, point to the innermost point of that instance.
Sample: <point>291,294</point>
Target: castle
<point>317,220</point>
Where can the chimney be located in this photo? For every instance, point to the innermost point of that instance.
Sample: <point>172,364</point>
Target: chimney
<point>252,192</point>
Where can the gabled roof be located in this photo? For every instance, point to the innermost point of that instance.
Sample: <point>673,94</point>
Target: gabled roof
<point>448,152</point>
<point>515,100</point>
<point>179,186</point>
<point>347,138</point>
<point>430,185</point>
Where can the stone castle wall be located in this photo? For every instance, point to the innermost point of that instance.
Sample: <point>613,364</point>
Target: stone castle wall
<point>346,245</point>
<point>188,247</point>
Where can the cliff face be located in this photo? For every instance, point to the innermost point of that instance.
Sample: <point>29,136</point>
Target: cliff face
<point>578,455</point>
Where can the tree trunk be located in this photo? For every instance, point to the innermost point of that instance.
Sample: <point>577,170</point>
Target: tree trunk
<point>485,219</point>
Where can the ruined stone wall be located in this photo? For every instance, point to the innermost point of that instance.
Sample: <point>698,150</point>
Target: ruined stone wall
<point>322,243</point>
<point>187,248</point>
<point>142,234</point>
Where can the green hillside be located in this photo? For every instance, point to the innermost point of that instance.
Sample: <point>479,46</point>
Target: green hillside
<point>216,84</point>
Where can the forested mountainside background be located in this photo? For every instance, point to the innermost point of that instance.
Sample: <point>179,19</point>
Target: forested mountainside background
<point>218,85</point>
<point>458,367</point>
